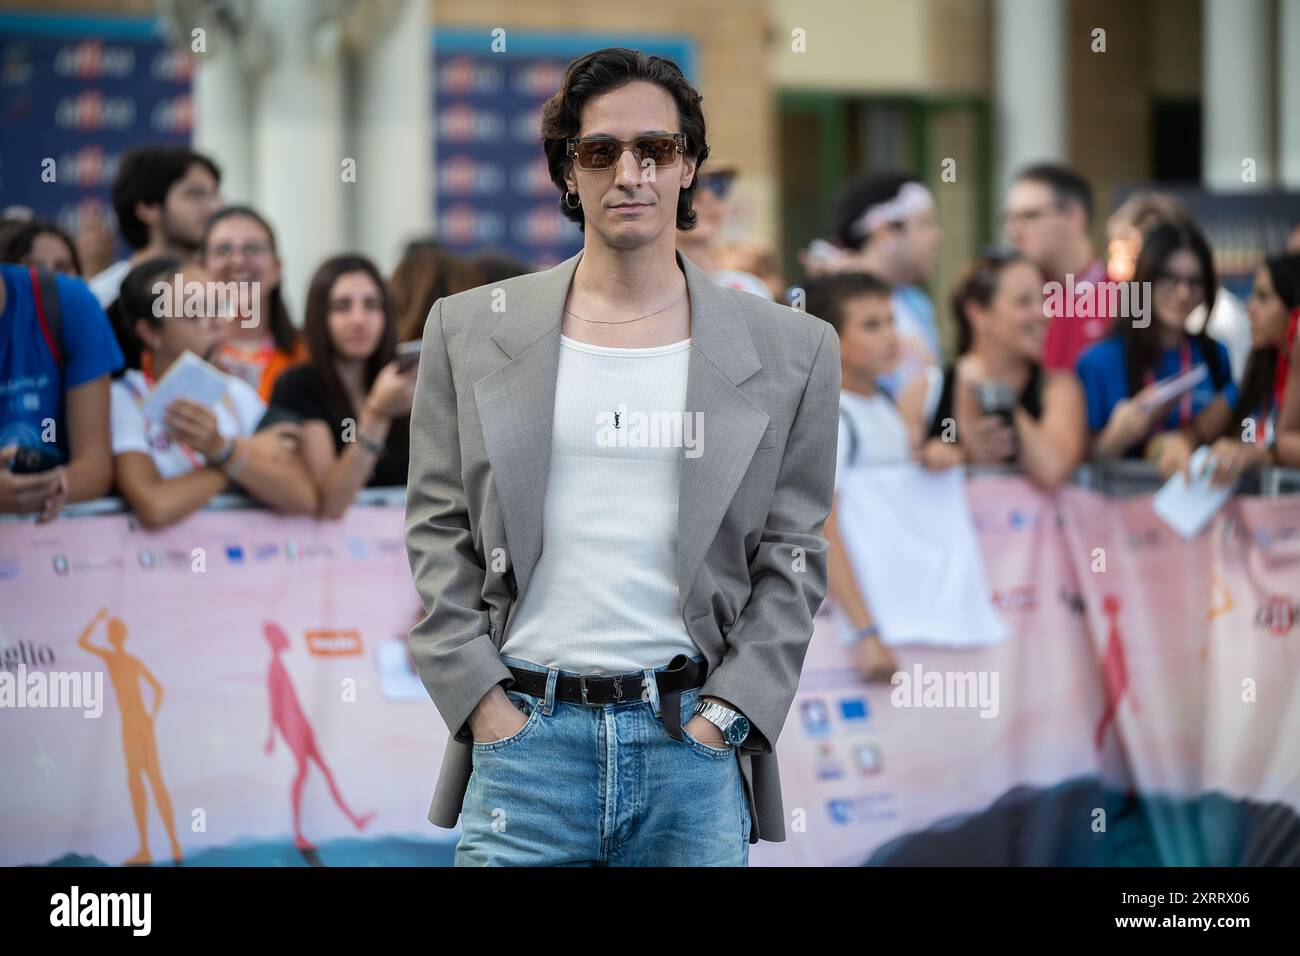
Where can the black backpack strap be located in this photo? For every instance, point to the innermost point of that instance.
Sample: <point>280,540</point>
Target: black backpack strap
<point>45,290</point>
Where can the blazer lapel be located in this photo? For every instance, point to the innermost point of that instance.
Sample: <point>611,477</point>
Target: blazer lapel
<point>516,407</point>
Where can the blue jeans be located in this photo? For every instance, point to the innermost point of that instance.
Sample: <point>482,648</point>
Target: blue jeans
<point>602,785</point>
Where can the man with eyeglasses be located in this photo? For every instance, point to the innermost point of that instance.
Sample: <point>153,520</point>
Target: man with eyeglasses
<point>699,244</point>
<point>162,196</point>
<point>620,473</point>
<point>1048,214</point>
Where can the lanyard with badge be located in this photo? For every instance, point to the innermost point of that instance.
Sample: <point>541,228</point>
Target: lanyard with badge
<point>1184,364</point>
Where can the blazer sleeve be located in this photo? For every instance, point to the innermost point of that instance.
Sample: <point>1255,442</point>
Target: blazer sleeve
<point>451,647</point>
<point>759,674</point>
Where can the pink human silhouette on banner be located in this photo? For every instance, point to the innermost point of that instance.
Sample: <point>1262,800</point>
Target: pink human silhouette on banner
<point>1114,670</point>
<point>288,716</point>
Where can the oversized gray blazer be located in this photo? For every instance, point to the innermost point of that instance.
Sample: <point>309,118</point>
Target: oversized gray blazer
<point>751,557</point>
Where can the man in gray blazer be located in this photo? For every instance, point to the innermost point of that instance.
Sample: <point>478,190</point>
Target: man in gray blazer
<point>619,476</point>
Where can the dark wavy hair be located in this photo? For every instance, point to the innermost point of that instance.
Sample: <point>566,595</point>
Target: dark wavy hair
<point>1257,380</point>
<point>316,328</point>
<point>1142,345</point>
<point>145,175</point>
<point>17,243</point>
<point>979,285</point>
<point>606,70</point>
<point>282,330</point>
<point>135,301</point>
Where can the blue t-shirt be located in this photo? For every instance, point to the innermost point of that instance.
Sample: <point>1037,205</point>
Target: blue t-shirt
<point>918,335</point>
<point>1104,375</point>
<point>32,386</point>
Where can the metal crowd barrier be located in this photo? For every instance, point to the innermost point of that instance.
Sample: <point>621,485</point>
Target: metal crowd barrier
<point>1117,479</point>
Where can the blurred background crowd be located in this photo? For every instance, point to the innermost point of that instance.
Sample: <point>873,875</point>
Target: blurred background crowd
<point>920,175</point>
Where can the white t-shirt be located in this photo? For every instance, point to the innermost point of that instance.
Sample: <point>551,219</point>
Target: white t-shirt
<point>1230,325</point>
<point>108,283</point>
<point>603,598</point>
<point>880,431</point>
<point>238,414</point>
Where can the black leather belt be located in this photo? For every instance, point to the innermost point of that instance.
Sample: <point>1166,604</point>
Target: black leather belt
<point>681,674</point>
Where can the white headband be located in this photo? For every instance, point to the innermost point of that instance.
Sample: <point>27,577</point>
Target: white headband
<point>911,199</point>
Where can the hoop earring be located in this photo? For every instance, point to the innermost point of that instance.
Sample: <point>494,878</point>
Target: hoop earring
<point>569,205</point>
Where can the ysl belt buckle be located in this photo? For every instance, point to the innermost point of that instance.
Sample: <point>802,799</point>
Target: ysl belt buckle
<point>582,688</point>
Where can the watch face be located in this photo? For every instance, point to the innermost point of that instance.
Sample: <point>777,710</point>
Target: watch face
<point>738,731</point>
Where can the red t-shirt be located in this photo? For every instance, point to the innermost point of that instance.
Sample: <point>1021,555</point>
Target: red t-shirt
<point>1067,334</point>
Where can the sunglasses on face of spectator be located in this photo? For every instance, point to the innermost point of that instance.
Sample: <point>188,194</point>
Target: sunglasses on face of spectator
<point>602,152</point>
<point>718,183</point>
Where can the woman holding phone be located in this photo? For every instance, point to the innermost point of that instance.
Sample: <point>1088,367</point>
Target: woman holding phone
<point>352,397</point>
<point>996,404</point>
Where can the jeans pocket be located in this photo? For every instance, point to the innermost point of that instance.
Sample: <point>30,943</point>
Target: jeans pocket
<point>529,702</point>
<point>707,749</point>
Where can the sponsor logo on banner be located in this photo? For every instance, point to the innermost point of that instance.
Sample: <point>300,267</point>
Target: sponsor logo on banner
<point>234,554</point>
<point>1146,538</point>
<point>334,643</point>
<point>1024,597</point>
<point>542,226</point>
<point>867,756</point>
<point>532,178</point>
<point>541,79</point>
<point>465,224</point>
<point>1019,520</point>
<point>864,808</point>
<point>175,115</point>
<point>816,718</point>
<point>1266,538</point>
<point>87,166</point>
<point>853,709</point>
<point>463,175</point>
<point>9,568</point>
<point>172,65</point>
<point>464,74</point>
<point>17,67</point>
<point>464,124</point>
<point>60,562</point>
<point>828,765</point>
<point>93,110</point>
<point>526,125</point>
<point>92,59</point>
<point>1277,615</point>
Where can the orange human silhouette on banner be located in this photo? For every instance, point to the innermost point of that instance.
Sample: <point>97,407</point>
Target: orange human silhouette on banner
<point>288,716</point>
<point>139,745</point>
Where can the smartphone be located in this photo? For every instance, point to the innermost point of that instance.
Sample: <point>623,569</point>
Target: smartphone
<point>32,461</point>
<point>408,355</point>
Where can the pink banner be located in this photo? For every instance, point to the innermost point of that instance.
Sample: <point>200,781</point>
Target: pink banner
<point>1138,712</point>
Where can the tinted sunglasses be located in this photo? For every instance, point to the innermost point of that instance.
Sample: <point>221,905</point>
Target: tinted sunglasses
<point>603,152</point>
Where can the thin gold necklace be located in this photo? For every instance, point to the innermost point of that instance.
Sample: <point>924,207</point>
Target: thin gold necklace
<point>626,321</point>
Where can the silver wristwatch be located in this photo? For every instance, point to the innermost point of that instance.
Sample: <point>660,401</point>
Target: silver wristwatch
<point>734,725</point>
